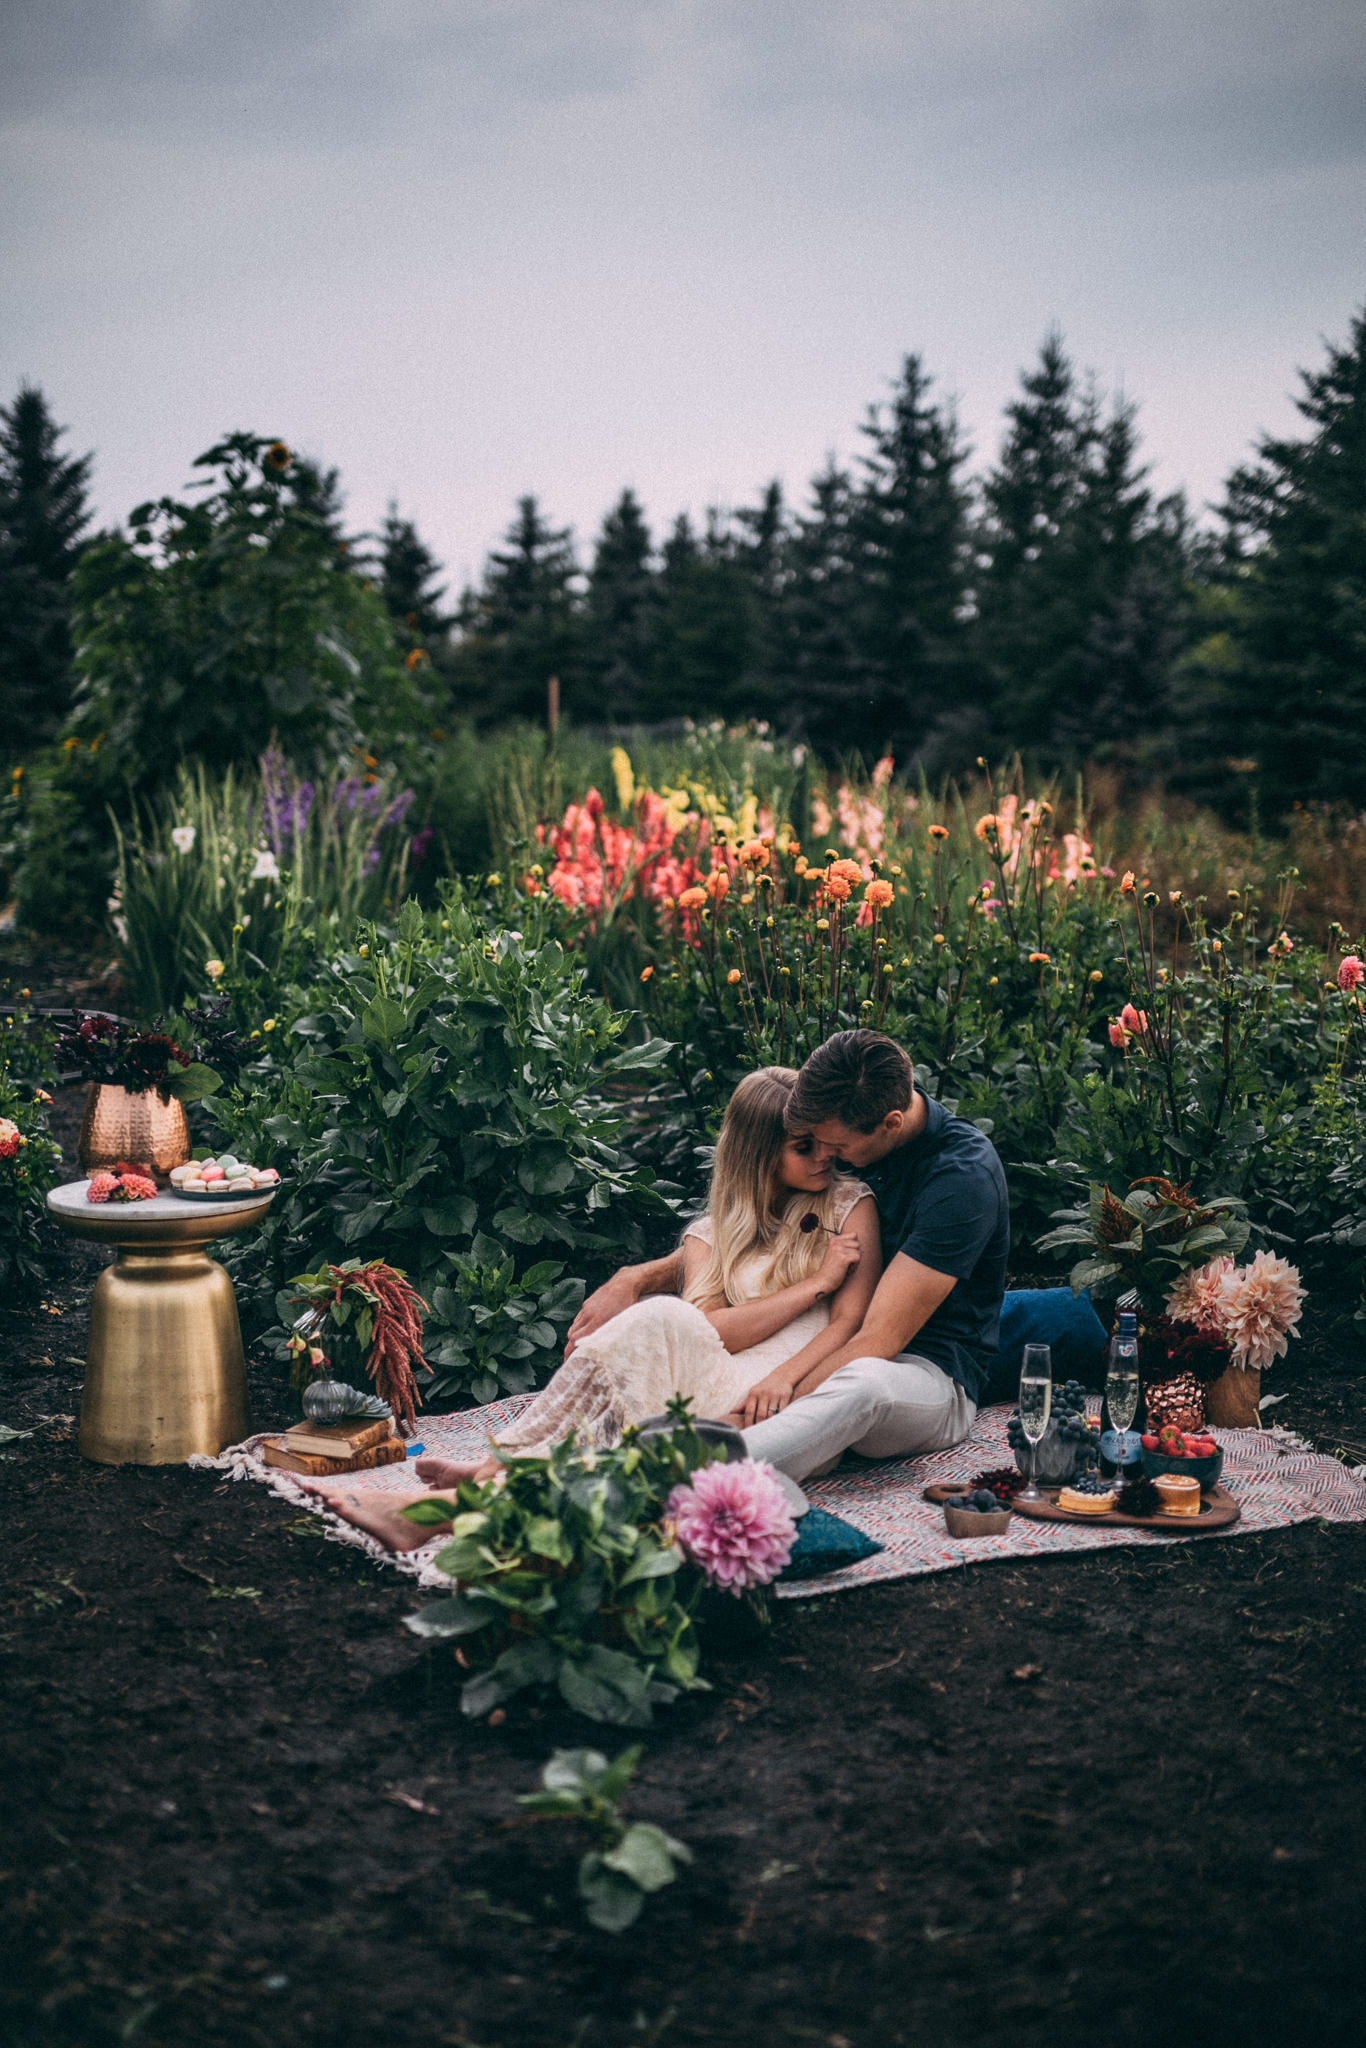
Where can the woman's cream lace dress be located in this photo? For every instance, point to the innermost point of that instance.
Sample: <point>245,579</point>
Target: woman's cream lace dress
<point>634,1366</point>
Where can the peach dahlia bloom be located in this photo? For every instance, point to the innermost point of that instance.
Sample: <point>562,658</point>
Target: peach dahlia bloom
<point>1263,1305</point>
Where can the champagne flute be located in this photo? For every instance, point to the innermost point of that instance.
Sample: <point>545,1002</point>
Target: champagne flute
<point>1036,1402</point>
<point>1121,1395</point>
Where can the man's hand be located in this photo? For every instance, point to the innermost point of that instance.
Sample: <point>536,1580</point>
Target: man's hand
<point>602,1304</point>
<point>768,1396</point>
<point>624,1290</point>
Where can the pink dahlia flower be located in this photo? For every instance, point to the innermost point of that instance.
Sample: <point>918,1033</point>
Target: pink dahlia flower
<point>1132,1019</point>
<point>1351,973</point>
<point>1263,1305</point>
<point>734,1522</point>
<point>1119,1037</point>
<point>136,1187</point>
<point>102,1186</point>
<point>1201,1296</point>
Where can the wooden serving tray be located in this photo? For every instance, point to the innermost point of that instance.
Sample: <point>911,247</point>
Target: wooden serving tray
<point>1218,1510</point>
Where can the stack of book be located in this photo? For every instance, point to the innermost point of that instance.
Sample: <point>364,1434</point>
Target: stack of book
<point>320,1449</point>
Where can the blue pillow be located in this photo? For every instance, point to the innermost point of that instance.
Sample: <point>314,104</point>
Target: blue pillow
<point>1066,1322</point>
<point>826,1544</point>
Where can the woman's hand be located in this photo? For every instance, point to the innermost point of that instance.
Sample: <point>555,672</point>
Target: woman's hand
<point>768,1396</point>
<point>842,1254</point>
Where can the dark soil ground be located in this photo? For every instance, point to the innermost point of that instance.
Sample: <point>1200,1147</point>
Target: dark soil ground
<point>1111,1798</point>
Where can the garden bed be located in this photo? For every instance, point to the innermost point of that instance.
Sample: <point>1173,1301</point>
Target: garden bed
<point>1121,1791</point>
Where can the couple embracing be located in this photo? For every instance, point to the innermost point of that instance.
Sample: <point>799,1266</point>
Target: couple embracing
<point>841,1291</point>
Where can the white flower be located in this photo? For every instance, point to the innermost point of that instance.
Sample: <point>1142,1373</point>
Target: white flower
<point>121,927</point>
<point>182,838</point>
<point>114,903</point>
<point>265,868</point>
<point>214,969</point>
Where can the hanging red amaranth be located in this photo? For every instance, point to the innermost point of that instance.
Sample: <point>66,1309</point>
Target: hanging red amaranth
<point>396,1343</point>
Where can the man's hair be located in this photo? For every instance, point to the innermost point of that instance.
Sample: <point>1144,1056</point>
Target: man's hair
<point>856,1078</point>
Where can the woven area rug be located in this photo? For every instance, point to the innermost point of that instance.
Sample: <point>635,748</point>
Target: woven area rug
<point>1274,1480</point>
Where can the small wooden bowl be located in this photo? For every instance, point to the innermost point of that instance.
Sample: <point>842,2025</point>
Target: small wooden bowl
<point>967,1521</point>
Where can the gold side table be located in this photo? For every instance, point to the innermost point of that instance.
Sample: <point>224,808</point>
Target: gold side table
<point>164,1371</point>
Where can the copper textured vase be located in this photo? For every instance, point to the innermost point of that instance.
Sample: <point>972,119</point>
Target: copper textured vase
<point>1232,1401</point>
<point>143,1129</point>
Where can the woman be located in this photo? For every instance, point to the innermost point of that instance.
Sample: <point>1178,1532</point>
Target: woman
<point>777,1273</point>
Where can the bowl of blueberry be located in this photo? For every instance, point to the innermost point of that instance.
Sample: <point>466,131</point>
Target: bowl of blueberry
<point>976,1512</point>
<point>1067,1447</point>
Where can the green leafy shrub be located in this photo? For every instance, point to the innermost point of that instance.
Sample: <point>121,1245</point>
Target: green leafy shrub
<point>568,1579</point>
<point>233,620</point>
<point>436,1098</point>
<point>492,1321</point>
<point>30,1159</point>
<point>629,1861</point>
<point>56,847</point>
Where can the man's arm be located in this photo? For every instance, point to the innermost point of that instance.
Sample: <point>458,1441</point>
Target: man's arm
<point>624,1290</point>
<point>907,1296</point>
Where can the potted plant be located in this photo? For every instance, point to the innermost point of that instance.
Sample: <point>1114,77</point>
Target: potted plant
<point>139,1084</point>
<point>1235,1320</point>
<point>1140,1244</point>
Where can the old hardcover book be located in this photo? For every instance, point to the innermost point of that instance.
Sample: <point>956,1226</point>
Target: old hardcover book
<point>339,1439</point>
<point>279,1453</point>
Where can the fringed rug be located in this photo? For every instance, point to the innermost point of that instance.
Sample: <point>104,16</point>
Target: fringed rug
<point>1273,1478</point>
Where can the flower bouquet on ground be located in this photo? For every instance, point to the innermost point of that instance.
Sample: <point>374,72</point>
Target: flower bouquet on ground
<point>584,1570</point>
<point>361,1317</point>
<point>1227,1323</point>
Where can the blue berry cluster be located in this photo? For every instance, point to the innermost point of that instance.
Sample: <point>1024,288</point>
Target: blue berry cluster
<point>1067,1422</point>
<point>980,1501</point>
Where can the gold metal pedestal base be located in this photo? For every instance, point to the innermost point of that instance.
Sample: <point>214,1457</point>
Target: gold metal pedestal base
<point>165,1376</point>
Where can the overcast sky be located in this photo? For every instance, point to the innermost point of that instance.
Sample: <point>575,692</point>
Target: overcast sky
<point>466,249</point>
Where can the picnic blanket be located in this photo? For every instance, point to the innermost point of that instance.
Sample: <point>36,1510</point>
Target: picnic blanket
<point>1274,1478</point>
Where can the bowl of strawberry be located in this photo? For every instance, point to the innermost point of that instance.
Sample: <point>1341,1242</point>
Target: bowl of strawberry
<point>1189,1452</point>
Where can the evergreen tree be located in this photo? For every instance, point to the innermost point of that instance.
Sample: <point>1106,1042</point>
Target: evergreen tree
<point>43,516</point>
<point>709,626</point>
<point>823,627</point>
<point>407,580</point>
<point>761,547</point>
<point>622,615</point>
<point>1080,601</point>
<point>1293,699</point>
<point>521,627</point>
<point>912,527</point>
<point>316,494</point>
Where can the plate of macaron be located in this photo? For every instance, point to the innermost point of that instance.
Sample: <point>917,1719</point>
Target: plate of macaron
<point>224,1178</point>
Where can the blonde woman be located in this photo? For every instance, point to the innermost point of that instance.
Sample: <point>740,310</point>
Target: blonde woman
<point>767,1292</point>
<point>777,1274</point>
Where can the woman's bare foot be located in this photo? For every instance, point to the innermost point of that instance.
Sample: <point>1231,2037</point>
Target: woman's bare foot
<point>378,1513</point>
<point>450,1471</point>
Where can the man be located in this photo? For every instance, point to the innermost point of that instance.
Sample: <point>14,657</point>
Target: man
<point>910,1378</point>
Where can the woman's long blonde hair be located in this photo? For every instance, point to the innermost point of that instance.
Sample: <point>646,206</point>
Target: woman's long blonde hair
<point>749,1208</point>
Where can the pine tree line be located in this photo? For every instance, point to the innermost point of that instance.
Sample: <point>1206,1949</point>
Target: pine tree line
<point>1052,604</point>
<point>905,608</point>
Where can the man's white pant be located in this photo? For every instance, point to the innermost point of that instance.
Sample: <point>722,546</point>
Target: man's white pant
<point>879,1407</point>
